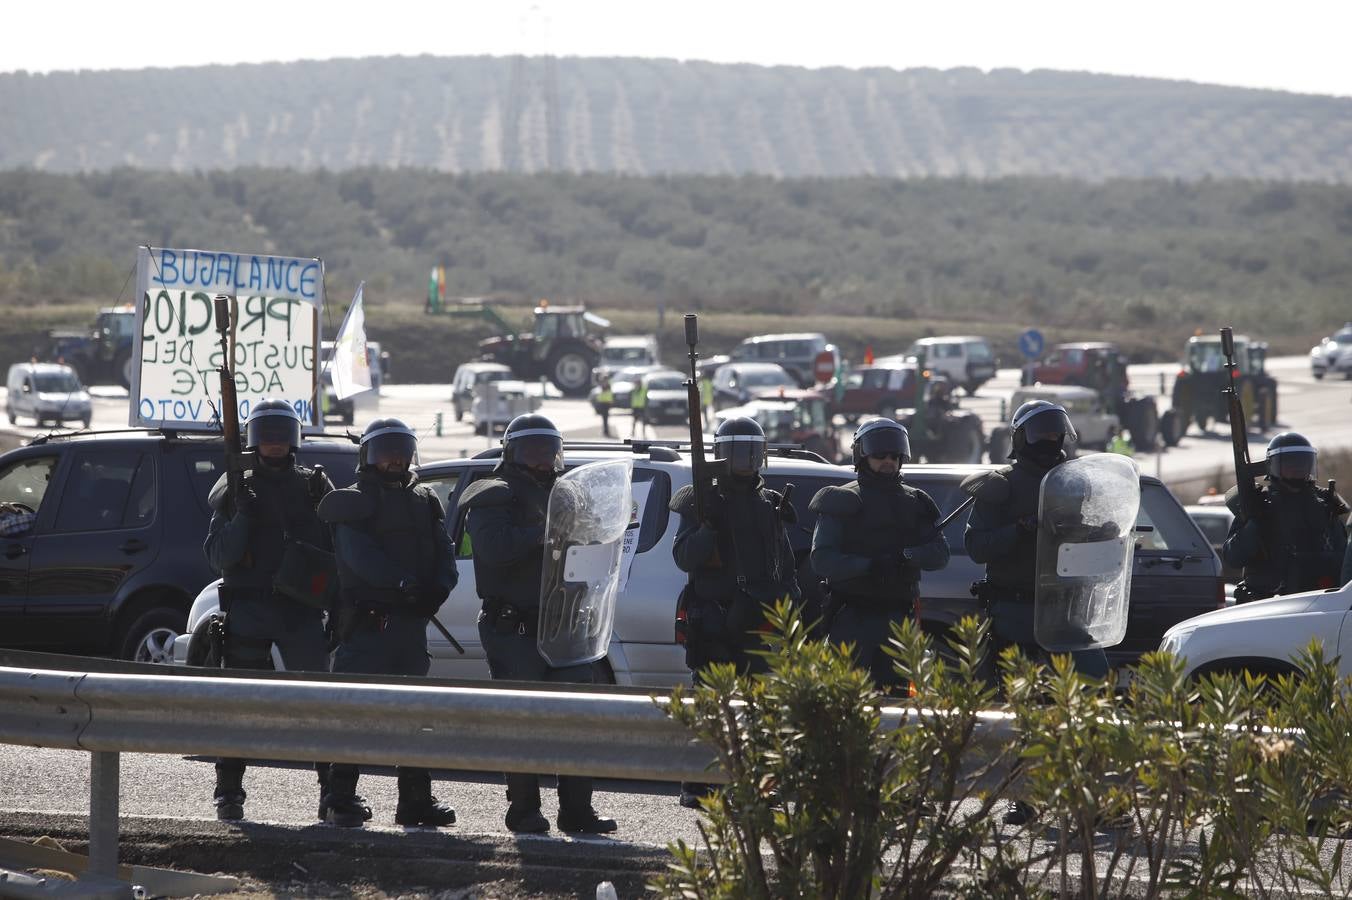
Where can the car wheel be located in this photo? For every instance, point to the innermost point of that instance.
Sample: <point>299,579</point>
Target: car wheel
<point>962,443</point>
<point>971,388</point>
<point>10,411</point>
<point>150,639</point>
<point>1169,428</point>
<point>459,413</point>
<point>1319,376</point>
<point>122,368</point>
<point>85,422</point>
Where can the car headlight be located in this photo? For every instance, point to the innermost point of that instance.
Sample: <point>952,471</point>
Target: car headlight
<point>1174,640</point>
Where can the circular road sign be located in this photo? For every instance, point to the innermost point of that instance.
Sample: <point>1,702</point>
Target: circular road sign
<point>1031,343</point>
<point>824,366</point>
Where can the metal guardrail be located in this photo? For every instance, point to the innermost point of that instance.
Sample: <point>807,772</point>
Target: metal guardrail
<point>488,729</point>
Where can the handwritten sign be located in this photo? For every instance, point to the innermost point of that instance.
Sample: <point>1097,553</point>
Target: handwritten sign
<point>639,494</point>
<point>275,314</point>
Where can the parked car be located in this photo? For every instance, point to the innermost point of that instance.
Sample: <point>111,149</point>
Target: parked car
<point>792,416</point>
<point>737,383</point>
<point>1264,636</point>
<point>344,410</point>
<point>878,389</point>
<point>622,351</point>
<point>1333,354</point>
<point>1092,423</point>
<point>667,400</point>
<point>470,375</point>
<point>1215,519</point>
<point>46,392</point>
<point>115,557</point>
<point>966,360</point>
<point>1176,573</point>
<point>796,353</point>
<point>499,401</point>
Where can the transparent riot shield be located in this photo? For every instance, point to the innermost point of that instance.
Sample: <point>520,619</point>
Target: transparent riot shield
<point>1086,525</point>
<point>588,512</point>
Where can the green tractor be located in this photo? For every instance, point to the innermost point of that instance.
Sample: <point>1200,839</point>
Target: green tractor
<point>1197,389</point>
<point>561,348</point>
<point>101,354</point>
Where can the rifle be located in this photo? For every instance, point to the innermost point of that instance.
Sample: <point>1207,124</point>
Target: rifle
<point>702,472</point>
<point>1250,501</point>
<point>229,411</point>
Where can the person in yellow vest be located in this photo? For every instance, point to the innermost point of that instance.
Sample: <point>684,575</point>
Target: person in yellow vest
<point>1119,444</point>
<point>638,406</point>
<point>605,399</point>
<point>706,398</point>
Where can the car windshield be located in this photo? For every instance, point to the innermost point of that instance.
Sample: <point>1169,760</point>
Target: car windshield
<point>1343,337</point>
<point>1205,356</point>
<point>494,375</point>
<point>666,383</point>
<point>978,352</point>
<point>52,382</point>
<point>854,380</point>
<point>768,377</point>
<point>617,355</point>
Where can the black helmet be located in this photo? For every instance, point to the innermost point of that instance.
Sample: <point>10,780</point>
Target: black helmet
<point>1291,457</point>
<point>532,442</point>
<point>741,441</point>
<point>878,437</point>
<point>272,421</point>
<point>1036,421</point>
<point>387,440</point>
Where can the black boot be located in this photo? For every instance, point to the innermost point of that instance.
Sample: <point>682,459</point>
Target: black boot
<point>229,792</point>
<point>526,820</point>
<point>692,792</point>
<point>1018,813</point>
<point>585,822</point>
<point>341,805</point>
<point>417,806</point>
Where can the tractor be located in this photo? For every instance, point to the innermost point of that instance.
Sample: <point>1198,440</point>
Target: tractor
<point>102,355</point>
<point>1197,389</point>
<point>940,431</point>
<point>1102,368</point>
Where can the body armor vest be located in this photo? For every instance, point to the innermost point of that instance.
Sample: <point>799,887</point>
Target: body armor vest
<point>402,525</point>
<point>517,582</point>
<point>1018,570</point>
<point>891,517</point>
<point>285,508</point>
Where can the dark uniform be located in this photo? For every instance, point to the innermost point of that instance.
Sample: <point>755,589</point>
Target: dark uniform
<point>506,525</point>
<point>1002,533</point>
<point>396,566</point>
<point>873,538</point>
<point>739,558</point>
<point>245,542</point>
<point>1297,542</point>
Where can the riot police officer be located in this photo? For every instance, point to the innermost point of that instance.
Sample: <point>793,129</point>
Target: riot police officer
<point>245,542</point>
<point>739,557</point>
<point>506,525</point>
<point>1296,541</point>
<point>395,569</point>
<point>873,538</point>
<point>1002,533</point>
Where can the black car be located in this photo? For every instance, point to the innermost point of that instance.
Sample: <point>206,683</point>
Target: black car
<point>114,557</point>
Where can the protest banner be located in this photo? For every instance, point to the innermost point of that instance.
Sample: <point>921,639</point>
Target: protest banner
<point>275,318</point>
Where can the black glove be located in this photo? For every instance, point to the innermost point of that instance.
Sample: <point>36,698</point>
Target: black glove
<point>1027,523</point>
<point>715,508</point>
<point>319,484</point>
<point>246,499</point>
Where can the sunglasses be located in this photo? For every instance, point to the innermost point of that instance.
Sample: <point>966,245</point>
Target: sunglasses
<point>892,456</point>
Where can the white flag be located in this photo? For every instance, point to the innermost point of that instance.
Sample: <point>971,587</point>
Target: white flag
<point>351,371</point>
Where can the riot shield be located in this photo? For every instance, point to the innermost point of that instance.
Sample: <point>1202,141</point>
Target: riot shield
<point>589,510</point>
<point>1086,524</point>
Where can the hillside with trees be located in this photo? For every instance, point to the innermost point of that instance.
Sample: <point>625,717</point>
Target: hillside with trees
<point>1164,256</point>
<point>653,117</point>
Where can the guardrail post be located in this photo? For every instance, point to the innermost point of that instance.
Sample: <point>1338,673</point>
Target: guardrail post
<point>103,803</point>
<point>438,425</point>
<point>1004,411</point>
<point>1161,384</point>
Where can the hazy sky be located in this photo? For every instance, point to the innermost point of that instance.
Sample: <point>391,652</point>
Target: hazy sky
<point>1295,45</point>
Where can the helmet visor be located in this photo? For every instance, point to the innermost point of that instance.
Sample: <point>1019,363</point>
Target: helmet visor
<point>538,451</point>
<point>270,429</point>
<point>1293,465</point>
<point>886,442</point>
<point>1051,424</point>
<point>394,448</point>
<point>744,452</point>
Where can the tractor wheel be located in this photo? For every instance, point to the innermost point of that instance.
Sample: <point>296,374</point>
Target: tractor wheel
<point>1202,419</point>
<point>1144,423</point>
<point>570,371</point>
<point>962,441</point>
<point>122,368</point>
<point>1000,444</point>
<point>1171,427</point>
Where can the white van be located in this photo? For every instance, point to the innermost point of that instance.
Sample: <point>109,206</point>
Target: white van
<point>966,360</point>
<point>46,392</point>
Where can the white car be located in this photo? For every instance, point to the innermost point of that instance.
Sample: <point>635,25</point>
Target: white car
<point>498,402</point>
<point>1264,635</point>
<point>737,382</point>
<point>622,351</point>
<point>1333,355</point>
<point>967,360</point>
<point>1176,574</point>
<point>1093,425</point>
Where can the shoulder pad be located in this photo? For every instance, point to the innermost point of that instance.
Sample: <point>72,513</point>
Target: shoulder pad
<point>346,505</point>
<point>1337,506</point>
<point>216,496</point>
<point>486,492</point>
<point>836,500</point>
<point>1232,500</point>
<point>683,501</point>
<point>924,499</point>
<point>430,496</point>
<point>988,487</point>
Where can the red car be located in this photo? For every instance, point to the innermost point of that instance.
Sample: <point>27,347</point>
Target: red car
<point>1090,364</point>
<point>878,389</point>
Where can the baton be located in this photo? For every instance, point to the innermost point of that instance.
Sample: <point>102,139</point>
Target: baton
<point>447,635</point>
